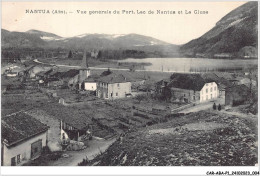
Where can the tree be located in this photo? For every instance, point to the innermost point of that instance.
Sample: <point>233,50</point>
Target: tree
<point>219,107</point>
<point>140,98</point>
<point>70,54</point>
<point>214,106</point>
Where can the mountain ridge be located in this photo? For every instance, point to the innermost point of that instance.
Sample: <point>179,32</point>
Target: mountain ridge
<point>230,37</point>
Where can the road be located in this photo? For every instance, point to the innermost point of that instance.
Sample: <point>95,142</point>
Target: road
<point>204,106</point>
<point>94,148</point>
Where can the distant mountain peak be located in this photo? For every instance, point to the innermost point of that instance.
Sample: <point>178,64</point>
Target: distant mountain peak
<point>43,35</point>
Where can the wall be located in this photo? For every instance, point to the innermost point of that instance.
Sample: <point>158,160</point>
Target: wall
<point>24,149</point>
<point>184,95</point>
<point>90,86</point>
<point>116,91</point>
<point>209,91</point>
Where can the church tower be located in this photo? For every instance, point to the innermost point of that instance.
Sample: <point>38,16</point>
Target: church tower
<point>84,71</point>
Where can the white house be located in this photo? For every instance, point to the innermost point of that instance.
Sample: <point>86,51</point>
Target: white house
<point>113,86</point>
<point>22,139</point>
<point>191,88</point>
<point>209,91</point>
<point>90,84</point>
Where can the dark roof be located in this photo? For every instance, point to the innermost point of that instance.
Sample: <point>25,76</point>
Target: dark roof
<point>210,76</point>
<point>63,75</point>
<point>113,78</point>
<point>105,73</point>
<point>241,89</point>
<point>225,75</point>
<point>69,74</point>
<point>19,127</point>
<point>221,81</point>
<point>188,81</point>
<point>92,78</point>
<point>69,115</point>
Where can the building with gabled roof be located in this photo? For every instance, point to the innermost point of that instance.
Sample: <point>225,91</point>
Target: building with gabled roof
<point>190,88</point>
<point>22,138</point>
<point>113,86</point>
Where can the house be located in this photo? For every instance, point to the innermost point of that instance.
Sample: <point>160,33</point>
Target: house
<point>90,83</point>
<point>191,88</point>
<point>22,139</point>
<point>113,86</point>
<point>236,95</point>
<point>221,79</point>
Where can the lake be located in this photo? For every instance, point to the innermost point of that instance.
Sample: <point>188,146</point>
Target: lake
<point>193,64</point>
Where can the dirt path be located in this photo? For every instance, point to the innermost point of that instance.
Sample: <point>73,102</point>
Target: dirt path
<point>204,106</point>
<point>95,147</point>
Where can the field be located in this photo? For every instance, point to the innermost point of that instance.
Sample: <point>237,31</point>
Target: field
<point>197,139</point>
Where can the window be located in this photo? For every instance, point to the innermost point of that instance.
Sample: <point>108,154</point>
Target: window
<point>210,96</point>
<point>18,159</point>
<point>211,89</point>
<point>193,97</point>
<point>184,95</point>
<point>118,85</point>
<point>116,94</point>
<point>215,88</point>
<point>112,94</point>
<point>206,90</point>
<point>207,84</point>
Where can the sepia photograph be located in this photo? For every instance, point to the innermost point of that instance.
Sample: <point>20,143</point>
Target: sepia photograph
<point>130,84</point>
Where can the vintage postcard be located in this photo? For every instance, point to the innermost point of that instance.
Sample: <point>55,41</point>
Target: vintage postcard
<point>130,84</point>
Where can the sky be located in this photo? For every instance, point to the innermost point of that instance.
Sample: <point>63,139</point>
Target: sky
<point>173,28</point>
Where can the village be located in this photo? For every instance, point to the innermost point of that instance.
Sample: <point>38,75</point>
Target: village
<point>57,115</point>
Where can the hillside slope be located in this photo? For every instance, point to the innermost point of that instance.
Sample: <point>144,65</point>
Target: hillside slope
<point>235,35</point>
<point>198,139</point>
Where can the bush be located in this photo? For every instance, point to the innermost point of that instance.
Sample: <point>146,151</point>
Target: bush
<point>84,162</point>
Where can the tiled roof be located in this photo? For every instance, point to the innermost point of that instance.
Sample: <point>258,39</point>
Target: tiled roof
<point>225,75</point>
<point>69,115</point>
<point>210,76</point>
<point>238,88</point>
<point>69,74</point>
<point>113,78</point>
<point>20,126</point>
<point>188,81</point>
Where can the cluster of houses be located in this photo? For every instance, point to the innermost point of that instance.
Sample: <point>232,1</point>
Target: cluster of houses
<point>24,137</point>
<point>199,88</point>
